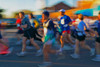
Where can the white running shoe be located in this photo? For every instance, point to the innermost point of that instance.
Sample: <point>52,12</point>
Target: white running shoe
<point>67,47</point>
<point>19,42</point>
<point>30,47</point>
<point>60,55</point>
<point>96,59</point>
<point>21,54</point>
<point>39,52</point>
<point>92,52</point>
<point>75,56</point>
<point>45,64</point>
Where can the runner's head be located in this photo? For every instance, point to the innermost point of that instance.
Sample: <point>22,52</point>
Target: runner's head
<point>17,16</point>
<point>21,15</point>
<point>62,12</point>
<point>30,16</point>
<point>45,15</point>
<point>80,16</point>
<point>99,16</point>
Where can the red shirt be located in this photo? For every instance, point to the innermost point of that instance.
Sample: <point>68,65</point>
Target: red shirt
<point>18,21</point>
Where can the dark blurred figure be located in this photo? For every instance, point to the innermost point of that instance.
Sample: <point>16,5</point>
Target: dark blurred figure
<point>35,25</point>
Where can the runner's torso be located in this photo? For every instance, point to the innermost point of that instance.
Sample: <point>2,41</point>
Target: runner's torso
<point>49,28</point>
<point>26,21</point>
<point>65,20</point>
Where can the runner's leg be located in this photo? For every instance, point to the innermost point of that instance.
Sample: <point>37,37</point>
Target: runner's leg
<point>24,44</point>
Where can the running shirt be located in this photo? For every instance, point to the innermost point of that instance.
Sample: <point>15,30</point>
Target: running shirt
<point>77,21</point>
<point>31,21</point>
<point>24,22</point>
<point>34,23</point>
<point>81,26</point>
<point>49,28</point>
<point>87,22</point>
<point>49,31</point>
<point>97,24</point>
<point>64,21</point>
<point>18,23</point>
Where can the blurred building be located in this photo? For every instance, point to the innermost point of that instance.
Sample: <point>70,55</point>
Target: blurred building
<point>57,7</point>
<point>95,3</point>
<point>85,4</point>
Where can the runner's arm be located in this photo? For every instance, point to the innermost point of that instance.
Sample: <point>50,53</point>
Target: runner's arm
<point>24,26</point>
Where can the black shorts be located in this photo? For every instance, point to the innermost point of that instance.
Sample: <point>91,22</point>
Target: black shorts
<point>87,30</point>
<point>30,33</point>
<point>98,39</point>
<point>0,36</point>
<point>81,38</point>
<point>95,29</point>
<point>60,33</point>
<point>20,32</point>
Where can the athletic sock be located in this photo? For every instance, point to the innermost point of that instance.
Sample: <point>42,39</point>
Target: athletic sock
<point>61,49</point>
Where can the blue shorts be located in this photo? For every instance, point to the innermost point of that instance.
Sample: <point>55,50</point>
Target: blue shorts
<point>0,36</point>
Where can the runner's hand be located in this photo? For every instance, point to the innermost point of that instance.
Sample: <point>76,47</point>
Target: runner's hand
<point>65,25</point>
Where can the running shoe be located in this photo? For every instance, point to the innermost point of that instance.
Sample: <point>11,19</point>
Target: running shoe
<point>92,52</point>
<point>96,59</point>
<point>19,42</point>
<point>67,47</point>
<point>45,64</point>
<point>30,47</point>
<point>21,54</point>
<point>75,56</point>
<point>6,51</point>
<point>60,55</point>
<point>39,52</point>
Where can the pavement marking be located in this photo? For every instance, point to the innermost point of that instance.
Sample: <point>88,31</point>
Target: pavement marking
<point>64,64</point>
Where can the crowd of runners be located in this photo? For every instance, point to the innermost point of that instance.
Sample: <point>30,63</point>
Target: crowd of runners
<point>65,30</point>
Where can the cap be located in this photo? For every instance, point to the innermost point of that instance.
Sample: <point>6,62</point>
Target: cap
<point>61,10</point>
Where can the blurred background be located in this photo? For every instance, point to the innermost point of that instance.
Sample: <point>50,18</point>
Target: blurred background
<point>9,9</point>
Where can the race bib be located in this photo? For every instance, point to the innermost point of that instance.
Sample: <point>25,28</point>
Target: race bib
<point>62,21</point>
<point>65,25</point>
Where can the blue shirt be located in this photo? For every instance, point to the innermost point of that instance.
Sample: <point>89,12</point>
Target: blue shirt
<point>81,26</point>
<point>25,21</point>
<point>64,21</point>
<point>97,24</point>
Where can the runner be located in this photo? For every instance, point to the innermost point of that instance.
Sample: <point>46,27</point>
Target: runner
<point>20,31</point>
<point>35,25</point>
<point>65,21</point>
<point>49,38</point>
<point>80,38</point>
<point>97,46</point>
<point>28,34</point>
<point>4,48</point>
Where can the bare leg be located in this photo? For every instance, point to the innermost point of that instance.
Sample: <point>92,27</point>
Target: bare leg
<point>62,40</point>
<point>46,49</point>
<point>34,44</point>
<point>77,47</point>
<point>24,44</point>
<point>97,48</point>
<point>69,38</point>
<point>85,46</point>
<point>1,41</point>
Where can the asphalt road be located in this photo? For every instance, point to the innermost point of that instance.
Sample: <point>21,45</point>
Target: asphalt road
<point>30,60</point>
